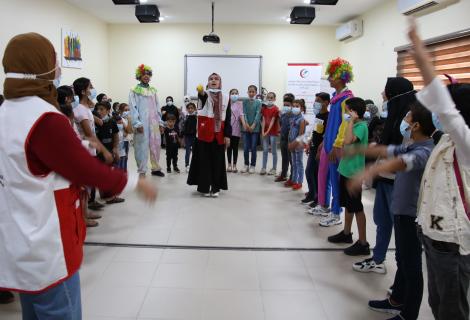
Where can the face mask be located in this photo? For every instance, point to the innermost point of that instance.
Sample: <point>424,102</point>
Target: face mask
<point>92,94</point>
<point>286,109</point>
<point>14,75</point>
<point>169,103</point>
<point>367,115</point>
<point>384,114</point>
<point>269,103</point>
<point>214,90</point>
<point>75,102</point>
<point>347,117</point>
<point>316,107</point>
<point>296,111</point>
<point>106,117</point>
<point>234,97</point>
<point>385,106</point>
<point>125,114</point>
<point>435,121</point>
<point>405,129</point>
<point>56,82</point>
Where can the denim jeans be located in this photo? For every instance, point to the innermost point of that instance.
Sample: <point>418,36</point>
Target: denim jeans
<point>383,219</point>
<point>298,166</point>
<point>188,145</point>
<point>448,280</point>
<point>333,175</point>
<point>269,140</point>
<point>408,284</point>
<point>250,141</point>
<point>61,302</point>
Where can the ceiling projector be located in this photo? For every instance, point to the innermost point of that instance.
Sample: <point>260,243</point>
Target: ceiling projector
<point>211,37</point>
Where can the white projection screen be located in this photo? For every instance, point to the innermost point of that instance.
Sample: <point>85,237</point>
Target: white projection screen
<point>237,71</point>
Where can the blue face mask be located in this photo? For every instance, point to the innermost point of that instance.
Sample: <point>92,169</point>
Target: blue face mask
<point>286,109</point>
<point>405,129</point>
<point>76,101</point>
<point>384,114</point>
<point>435,121</point>
<point>56,81</point>
<point>367,115</point>
<point>234,97</point>
<point>92,95</point>
<point>316,107</point>
<point>296,111</point>
<point>347,117</point>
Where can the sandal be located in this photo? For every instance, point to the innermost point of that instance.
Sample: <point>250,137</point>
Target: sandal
<point>91,223</point>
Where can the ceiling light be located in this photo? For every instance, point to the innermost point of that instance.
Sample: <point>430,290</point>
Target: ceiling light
<point>162,18</point>
<point>143,1</point>
<point>288,19</point>
<point>307,1</point>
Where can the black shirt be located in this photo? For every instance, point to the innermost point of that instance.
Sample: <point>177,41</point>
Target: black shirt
<point>190,125</point>
<point>317,138</point>
<point>170,110</point>
<point>106,132</point>
<point>171,137</point>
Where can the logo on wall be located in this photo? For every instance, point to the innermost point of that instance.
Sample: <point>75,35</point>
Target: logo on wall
<point>304,73</point>
<point>71,50</point>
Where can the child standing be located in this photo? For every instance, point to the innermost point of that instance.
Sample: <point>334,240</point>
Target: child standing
<point>356,135</point>
<point>172,145</point>
<point>320,109</point>
<point>285,126</point>
<point>270,132</point>
<point>189,132</point>
<point>236,119</point>
<point>125,130</point>
<point>297,130</point>
<point>409,161</point>
<point>251,128</point>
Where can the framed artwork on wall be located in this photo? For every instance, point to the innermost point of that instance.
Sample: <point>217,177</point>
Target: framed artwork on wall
<point>71,50</point>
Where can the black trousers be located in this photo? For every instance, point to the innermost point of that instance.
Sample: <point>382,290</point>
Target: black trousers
<point>311,174</point>
<point>286,158</point>
<point>448,280</point>
<point>172,156</point>
<point>408,284</point>
<point>233,150</point>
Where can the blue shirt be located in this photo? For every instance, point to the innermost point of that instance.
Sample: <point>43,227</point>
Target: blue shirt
<point>407,183</point>
<point>294,130</point>
<point>285,125</point>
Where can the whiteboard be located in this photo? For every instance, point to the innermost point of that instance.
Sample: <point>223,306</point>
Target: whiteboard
<point>237,72</point>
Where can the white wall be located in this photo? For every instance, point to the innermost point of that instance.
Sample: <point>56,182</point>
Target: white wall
<point>163,47</point>
<point>47,17</point>
<point>373,56</point>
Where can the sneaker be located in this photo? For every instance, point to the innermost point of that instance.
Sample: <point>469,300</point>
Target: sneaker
<point>177,170</point>
<point>158,173</point>
<point>207,195</point>
<point>229,168</point>
<point>280,179</point>
<point>115,200</point>
<point>369,265</point>
<point>215,195</point>
<point>288,183</point>
<point>6,297</point>
<point>187,169</point>
<point>168,170</point>
<point>245,169</point>
<point>358,249</point>
<point>313,204</point>
<point>341,237</point>
<point>385,306</point>
<point>331,220</point>
<point>272,172</point>
<point>262,172</point>
<point>234,169</point>
<point>306,200</point>
<point>319,211</point>
<point>296,186</point>
<point>251,170</point>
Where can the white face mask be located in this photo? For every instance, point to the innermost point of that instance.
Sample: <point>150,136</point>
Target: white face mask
<point>169,103</point>
<point>269,103</point>
<point>56,80</point>
<point>214,90</point>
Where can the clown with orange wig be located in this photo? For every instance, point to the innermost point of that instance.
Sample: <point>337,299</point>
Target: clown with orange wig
<point>146,121</point>
<point>339,74</point>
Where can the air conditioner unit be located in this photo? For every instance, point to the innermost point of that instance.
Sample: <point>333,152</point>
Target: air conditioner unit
<point>411,7</point>
<point>349,30</point>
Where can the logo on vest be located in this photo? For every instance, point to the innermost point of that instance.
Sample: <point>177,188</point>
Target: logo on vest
<point>435,220</point>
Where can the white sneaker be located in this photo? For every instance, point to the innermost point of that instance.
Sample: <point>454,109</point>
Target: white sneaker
<point>234,169</point>
<point>319,211</point>
<point>331,220</point>
<point>369,265</point>
<point>262,172</point>
<point>187,169</point>
<point>215,195</point>
<point>272,172</point>
<point>207,195</point>
<point>245,169</point>
<point>251,170</point>
<point>229,168</point>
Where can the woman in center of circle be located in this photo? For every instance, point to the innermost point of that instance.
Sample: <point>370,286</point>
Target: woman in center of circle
<point>207,169</point>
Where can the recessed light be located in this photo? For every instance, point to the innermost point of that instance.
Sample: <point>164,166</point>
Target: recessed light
<point>162,18</point>
<point>143,1</point>
<point>288,19</point>
<point>307,1</point>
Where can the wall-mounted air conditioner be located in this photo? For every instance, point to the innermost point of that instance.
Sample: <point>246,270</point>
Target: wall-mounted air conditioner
<point>411,7</point>
<point>349,30</point>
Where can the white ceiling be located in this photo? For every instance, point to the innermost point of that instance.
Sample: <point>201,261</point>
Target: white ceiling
<point>228,11</point>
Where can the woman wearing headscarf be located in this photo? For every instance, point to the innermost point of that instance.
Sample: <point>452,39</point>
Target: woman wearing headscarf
<point>399,93</point>
<point>207,169</point>
<point>41,225</point>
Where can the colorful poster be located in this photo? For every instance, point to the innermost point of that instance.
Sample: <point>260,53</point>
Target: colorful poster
<point>71,50</point>
<point>304,81</point>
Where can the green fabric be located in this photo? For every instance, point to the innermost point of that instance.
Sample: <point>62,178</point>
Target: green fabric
<point>144,91</point>
<point>252,113</point>
<point>350,166</point>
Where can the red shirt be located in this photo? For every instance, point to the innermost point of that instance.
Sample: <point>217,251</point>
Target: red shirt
<point>268,114</point>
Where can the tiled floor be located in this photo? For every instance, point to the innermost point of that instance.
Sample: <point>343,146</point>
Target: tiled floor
<point>162,283</point>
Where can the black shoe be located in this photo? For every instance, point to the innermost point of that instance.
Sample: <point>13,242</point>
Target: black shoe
<point>307,199</point>
<point>313,204</point>
<point>385,306</point>
<point>6,297</point>
<point>358,249</point>
<point>168,170</point>
<point>177,170</point>
<point>341,238</point>
<point>158,173</point>
<point>95,205</point>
